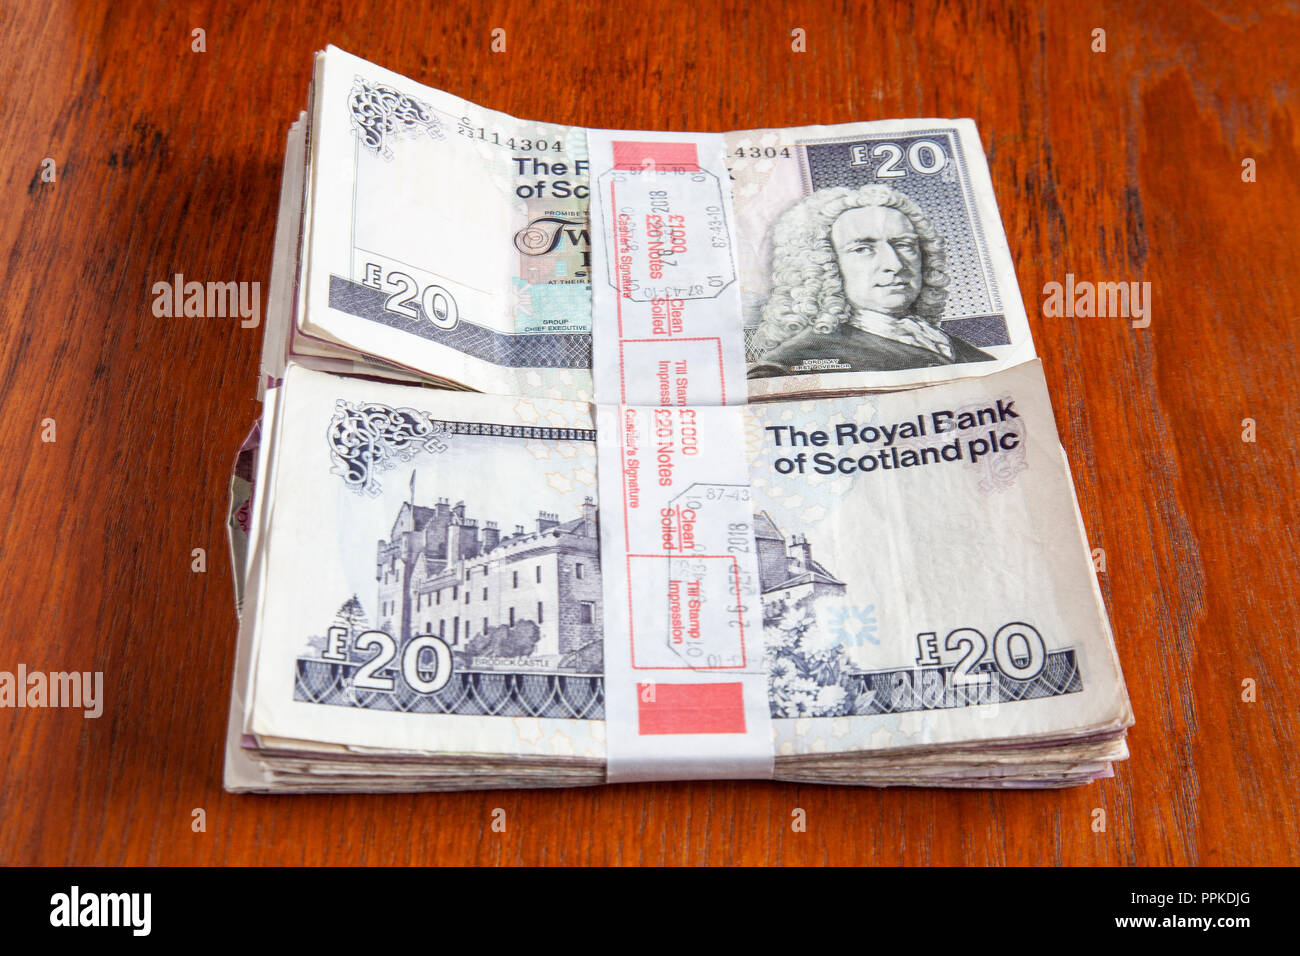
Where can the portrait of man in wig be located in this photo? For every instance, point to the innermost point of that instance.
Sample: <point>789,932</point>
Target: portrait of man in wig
<point>857,285</point>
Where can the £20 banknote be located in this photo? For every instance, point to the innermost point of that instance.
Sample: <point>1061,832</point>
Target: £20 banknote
<point>497,254</point>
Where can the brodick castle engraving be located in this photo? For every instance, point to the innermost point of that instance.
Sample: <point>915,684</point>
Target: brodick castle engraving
<point>787,572</point>
<point>530,597</point>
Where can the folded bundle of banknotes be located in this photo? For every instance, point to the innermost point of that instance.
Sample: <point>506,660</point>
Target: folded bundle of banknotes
<point>596,456</point>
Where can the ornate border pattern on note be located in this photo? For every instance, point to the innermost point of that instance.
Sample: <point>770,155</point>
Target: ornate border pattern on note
<point>367,438</point>
<point>381,114</point>
<point>564,350</point>
<point>468,693</point>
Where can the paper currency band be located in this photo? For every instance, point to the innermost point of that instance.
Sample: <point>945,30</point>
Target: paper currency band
<point>685,689</point>
<point>667,157</point>
<point>667,324</point>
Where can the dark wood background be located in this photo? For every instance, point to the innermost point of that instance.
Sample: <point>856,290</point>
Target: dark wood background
<point>1118,166</point>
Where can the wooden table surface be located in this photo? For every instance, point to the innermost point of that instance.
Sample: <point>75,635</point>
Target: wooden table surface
<point>1123,165</point>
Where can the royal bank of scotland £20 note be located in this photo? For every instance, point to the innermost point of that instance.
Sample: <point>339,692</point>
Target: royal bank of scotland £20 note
<point>459,242</point>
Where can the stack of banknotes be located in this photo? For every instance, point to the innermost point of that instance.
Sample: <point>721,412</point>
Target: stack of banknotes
<point>597,456</point>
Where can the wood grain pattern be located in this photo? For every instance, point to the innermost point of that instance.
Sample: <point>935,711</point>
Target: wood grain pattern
<point>1123,165</point>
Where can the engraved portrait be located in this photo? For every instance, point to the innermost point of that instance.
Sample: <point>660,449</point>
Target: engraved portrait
<point>858,284</point>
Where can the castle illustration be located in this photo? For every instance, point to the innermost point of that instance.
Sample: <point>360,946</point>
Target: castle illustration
<point>533,593</point>
<point>787,571</point>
